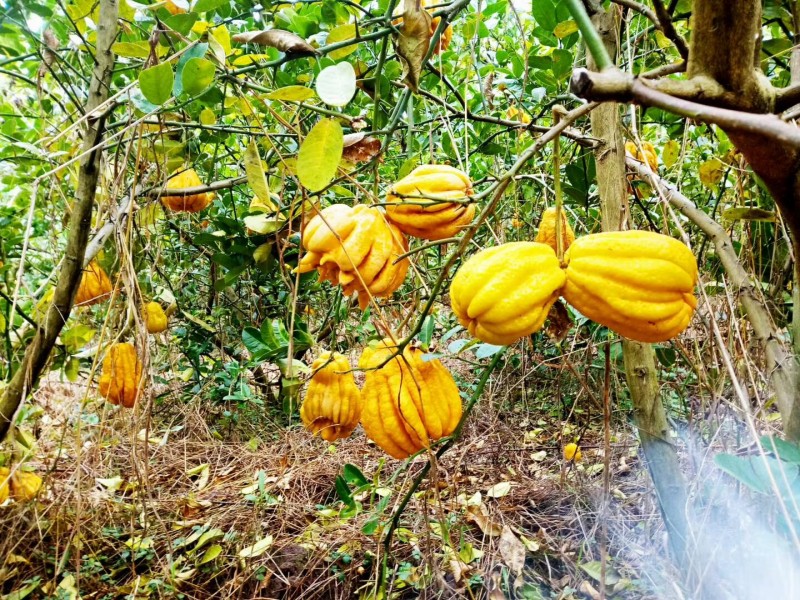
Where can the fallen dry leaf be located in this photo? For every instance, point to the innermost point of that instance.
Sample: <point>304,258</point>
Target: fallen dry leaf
<point>512,550</point>
<point>480,516</point>
<point>285,41</point>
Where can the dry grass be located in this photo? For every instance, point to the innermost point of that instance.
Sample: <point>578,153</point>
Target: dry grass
<point>90,529</point>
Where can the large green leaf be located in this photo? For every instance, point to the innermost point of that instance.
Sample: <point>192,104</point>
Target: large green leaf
<point>156,83</point>
<point>320,155</point>
<point>197,75</point>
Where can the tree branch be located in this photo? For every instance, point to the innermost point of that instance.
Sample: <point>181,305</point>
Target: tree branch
<point>619,86</point>
<point>781,364</point>
<point>38,352</point>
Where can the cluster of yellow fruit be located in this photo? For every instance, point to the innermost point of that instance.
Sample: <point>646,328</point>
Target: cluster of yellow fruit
<point>359,247</point>
<point>406,402</point>
<point>122,370</point>
<point>22,486</point>
<point>639,284</point>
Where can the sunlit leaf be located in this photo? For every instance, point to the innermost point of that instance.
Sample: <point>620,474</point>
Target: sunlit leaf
<point>711,172</point>
<point>341,34</point>
<point>257,180</point>
<point>256,549</point>
<point>197,75</point>
<point>294,93</point>
<point>156,83</point>
<point>670,153</point>
<point>336,84</point>
<point>499,490</point>
<point>320,154</point>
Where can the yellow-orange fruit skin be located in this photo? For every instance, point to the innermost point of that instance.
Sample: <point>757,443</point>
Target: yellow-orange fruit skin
<point>356,248</point>
<point>547,230</point>
<point>332,404</point>
<point>95,286</point>
<point>121,378</point>
<point>408,402</point>
<point>173,8</point>
<point>639,284</point>
<point>418,205</point>
<point>572,452</point>
<point>192,203</point>
<point>25,486</point>
<point>155,318</point>
<point>649,156</point>
<point>504,293</point>
<point>5,489</point>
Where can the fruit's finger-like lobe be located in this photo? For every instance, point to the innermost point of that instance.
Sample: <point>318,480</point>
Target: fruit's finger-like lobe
<point>504,293</point>
<point>409,401</point>
<point>431,202</point>
<point>95,286</point>
<point>639,284</point>
<point>193,203</point>
<point>355,248</point>
<point>155,318</point>
<point>547,230</point>
<point>121,377</point>
<point>332,404</point>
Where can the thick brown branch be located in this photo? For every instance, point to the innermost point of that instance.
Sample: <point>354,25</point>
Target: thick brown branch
<point>668,27</point>
<point>38,352</point>
<point>619,86</point>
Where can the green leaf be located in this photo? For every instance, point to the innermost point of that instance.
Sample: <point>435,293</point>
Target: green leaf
<point>197,75</point>
<point>156,83</point>
<point>202,6</point>
<point>340,34</point>
<point>785,450</point>
<point>343,490</point>
<point>670,153</point>
<point>294,93</point>
<point>257,180</point>
<point>352,474</point>
<point>197,51</point>
<point>77,336</point>
<point>182,23</point>
<point>320,154</point>
<point>565,28</point>
<point>210,554</point>
<point>131,49</point>
<point>72,369</point>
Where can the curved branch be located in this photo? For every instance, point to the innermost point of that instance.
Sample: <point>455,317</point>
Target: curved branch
<point>781,364</point>
<point>622,87</point>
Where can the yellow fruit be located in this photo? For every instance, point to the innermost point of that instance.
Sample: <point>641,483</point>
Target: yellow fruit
<point>95,286</point>
<point>25,486</point>
<point>572,452</point>
<point>418,205</point>
<point>639,284</point>
<point>408,402</point>
<point>174,8</point>
<point>332,406</point>
<point>4,484</point>
<point>355,248</point>
<point>155,318</point>
<point>194,203</point>
<point>504,293</point>
<point>649,154</point>
<point>121,378</point>
<point>547,230</point>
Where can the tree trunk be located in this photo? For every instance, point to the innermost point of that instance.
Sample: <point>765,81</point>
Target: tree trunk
<point>649,415</point>
<point>38,352</point>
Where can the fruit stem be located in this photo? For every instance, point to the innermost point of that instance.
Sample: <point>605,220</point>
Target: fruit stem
<point>558,112</point>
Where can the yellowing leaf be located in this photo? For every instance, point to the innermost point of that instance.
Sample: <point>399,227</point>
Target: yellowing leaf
<point>749,214</point>
<point>320,154</point>
<point>670,153</point>
<point>210,554</point>
<point>293,93</point>
<point>499,490</point>
<point>256,549</point>
<point>341,34</point>
<point>565,28</point>
<point>264,223</point>
<point>257,179</point>
<point>208,116</point>
<point>250,59</point>
<point>711,172</point>
<point>223,37</point>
